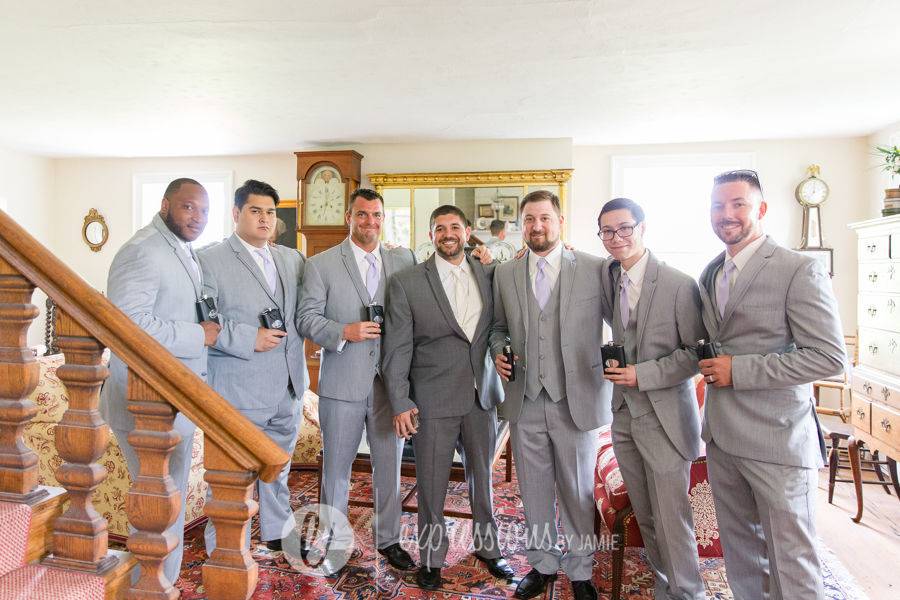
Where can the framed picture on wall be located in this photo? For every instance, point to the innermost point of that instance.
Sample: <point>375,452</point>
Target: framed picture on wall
<point>286,225</point>
<point>510,210</point>
<point>485,210</point>
<point>823,255</point>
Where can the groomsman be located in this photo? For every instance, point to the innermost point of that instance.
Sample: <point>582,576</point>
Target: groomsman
<point>339,286</point>
<point>155,280</point>
<point>548,302</point>
<point>257,363</point>
<point>655,314</point>
<point>437,369</point>
<point>773,317</point>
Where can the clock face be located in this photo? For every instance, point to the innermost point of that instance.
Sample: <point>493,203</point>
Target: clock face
<point>812,191</point>
<point>324,199</point>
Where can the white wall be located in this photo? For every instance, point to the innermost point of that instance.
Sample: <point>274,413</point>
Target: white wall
<point>878,179</point>
<point>26,194</point>
<point>782,165</point>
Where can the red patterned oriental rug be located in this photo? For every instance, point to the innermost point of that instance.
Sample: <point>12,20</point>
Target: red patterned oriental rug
<point>368,575</point>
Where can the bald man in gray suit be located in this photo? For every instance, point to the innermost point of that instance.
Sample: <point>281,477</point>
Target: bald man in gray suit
<point>155,280</point>
<point>773,317</point>
<point>548,302</point>
<point>655,315</point>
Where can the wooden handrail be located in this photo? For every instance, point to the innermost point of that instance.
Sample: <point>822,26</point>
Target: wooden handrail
<point>244,444</point>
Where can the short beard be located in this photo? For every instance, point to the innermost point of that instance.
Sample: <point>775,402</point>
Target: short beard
<point>445,256</point>
<point>175,228</point>
<point>547,244</point>
<point>743,234</point>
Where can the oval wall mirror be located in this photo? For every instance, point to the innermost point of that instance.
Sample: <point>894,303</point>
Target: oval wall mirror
<point>94,232</point>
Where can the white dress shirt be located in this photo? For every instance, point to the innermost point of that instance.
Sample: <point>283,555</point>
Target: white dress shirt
<point>254,252</point>
<point>740,260</point>
<point>551,269</point>
<point>466,302</point>
<point>636,281</point>
<point>362,264</point>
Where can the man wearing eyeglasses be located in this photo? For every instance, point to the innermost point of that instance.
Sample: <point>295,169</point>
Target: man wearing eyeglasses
<point>773,318</point>
<point>654,311</point>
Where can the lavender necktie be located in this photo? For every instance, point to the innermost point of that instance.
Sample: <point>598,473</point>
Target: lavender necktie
<point>723,287</point>
<point>541,284</point>
<point>268,268</point>
<point>372,276</point>
<point>624,308</point>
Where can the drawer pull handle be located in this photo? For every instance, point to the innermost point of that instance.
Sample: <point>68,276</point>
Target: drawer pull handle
<point>885,393</point>
<point>873,349</point>
<point>891,305</point>
<point>872,311</point>
<point>873,277</point>
<point>868,388</point>
<point>885,424</point>
<point>871,247</point>
<point>892,345</point>
<point>860,413</point>
<point>891,272</point>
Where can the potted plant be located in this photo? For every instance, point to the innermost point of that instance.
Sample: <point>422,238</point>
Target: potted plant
<point>890,162</point>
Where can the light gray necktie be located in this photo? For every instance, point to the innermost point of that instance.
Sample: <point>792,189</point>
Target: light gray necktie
<point>372,276</point>
<point>624,308</point>
<point>541,284</point>
<point>190,253</point>
<point>268,268</point>
<point>723,287</point>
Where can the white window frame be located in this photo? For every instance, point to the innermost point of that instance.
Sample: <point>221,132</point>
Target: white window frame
<point>139,179</point>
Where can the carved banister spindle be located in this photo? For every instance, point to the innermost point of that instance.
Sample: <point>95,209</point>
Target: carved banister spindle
<point>230,572</point>
<point>154,500</point>
<point>80,534</point>
<point>19,374</point>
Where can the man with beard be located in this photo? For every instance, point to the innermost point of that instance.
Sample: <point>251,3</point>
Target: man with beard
<point>772,316</point>
<point>155,279</point>
<point>548,303</point>
<point>437,369</point>
<point>338,287</point>
<point>258,364</point>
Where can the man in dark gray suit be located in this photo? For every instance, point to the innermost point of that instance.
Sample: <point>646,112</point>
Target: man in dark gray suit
<point>257,363</point>
<point>772,315</point>
<point>155,280</point>
<point>654,311</point>
<point>437,369</point>
<point>548,302</point>
<point>338,287</point>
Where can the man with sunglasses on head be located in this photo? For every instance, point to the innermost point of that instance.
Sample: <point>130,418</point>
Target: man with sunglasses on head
<point>655,315</point>
<point>773,320</point>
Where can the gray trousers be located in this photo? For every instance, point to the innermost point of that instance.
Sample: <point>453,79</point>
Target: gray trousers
<point>434,444</point>
<point>555,464</point>
<point>179,470</point>
<point>342,428</point>
<point>276,519</point>
<point>766,515</point>
<point>658,479</point>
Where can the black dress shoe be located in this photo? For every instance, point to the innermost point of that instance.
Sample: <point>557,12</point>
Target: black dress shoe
<point>428,579</point>
<point>398,558</point>
<point>584,590</point>
<point>533,584</point>
<point>274,545</point>
<point>498,567</point>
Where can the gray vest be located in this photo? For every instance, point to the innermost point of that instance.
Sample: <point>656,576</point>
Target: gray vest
<point>544,367</point>
<point>638,402</point>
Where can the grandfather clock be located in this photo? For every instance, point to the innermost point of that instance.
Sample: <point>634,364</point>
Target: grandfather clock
<point>325,180</point>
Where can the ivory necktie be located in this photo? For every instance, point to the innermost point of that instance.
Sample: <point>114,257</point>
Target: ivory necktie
<point>268,268</point>
<point>541,284</point>
<point>723,287</point>
<point>460,297</point>
<point>372,276</point>
<point>624,308</point>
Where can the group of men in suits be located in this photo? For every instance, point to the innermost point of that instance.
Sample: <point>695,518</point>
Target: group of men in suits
<point>431,371</point>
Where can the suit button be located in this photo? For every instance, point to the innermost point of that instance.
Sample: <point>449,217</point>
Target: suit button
<point>203,374</point>
<point>542,338</point>
<point>541,376</point>
<point>541,357</point>
<point>543,318</point>
<point>371,353</point>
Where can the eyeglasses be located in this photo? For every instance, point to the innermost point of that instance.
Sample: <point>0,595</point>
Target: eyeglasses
<point>625,231</point>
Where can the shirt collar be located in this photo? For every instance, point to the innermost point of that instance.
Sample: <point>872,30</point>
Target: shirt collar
<point>637,270</point>
<point>360,254</point>
<point>741,259</point>
<point>445,267</point>
<point>554,259</point>
<point>253,250</point>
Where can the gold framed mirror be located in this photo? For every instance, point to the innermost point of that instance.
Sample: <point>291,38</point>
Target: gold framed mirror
<point>483,196</point>
<point>94,232</point>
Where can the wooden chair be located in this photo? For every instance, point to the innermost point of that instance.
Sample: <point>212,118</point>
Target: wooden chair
<point>841,383</point>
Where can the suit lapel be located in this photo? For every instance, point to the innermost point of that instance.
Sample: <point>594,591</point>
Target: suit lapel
<point>281,270</point>
<point>566,282</point>
<point>521,277</point>
<point>484,289</point>
<point>245,259</point>
<point>708,294</point>
<point>748,274</point>
<point>644,302</point>
<point>434,280</point>
<point>179,252</point>
<point>349,259</point>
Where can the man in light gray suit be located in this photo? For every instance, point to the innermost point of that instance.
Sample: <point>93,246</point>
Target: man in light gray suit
<point>773,318</point>
<point>437,368</point>
<point>155,280</point>
<point>548,302</point>
<point>338,287</point>
<point>655,315</point>
<point>257,363</point>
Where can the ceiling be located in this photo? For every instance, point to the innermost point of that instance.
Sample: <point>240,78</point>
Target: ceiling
<point>164,78</point>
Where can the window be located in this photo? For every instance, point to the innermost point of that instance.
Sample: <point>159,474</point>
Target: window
<point>148,190</point>
<point>674,191</point>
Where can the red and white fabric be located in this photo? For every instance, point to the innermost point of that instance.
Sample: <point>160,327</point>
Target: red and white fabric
<point>15,521</point>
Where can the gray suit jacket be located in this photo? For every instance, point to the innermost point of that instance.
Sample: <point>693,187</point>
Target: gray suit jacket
<point>248,379</point>
<point>153,282</point>
<point>429,363</point>
<point>581,324</point>
<point>782,328</point>
<point>668,326</point>
<point>334,295</point>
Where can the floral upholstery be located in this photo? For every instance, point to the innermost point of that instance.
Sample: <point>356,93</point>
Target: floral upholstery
<point>309,441</point>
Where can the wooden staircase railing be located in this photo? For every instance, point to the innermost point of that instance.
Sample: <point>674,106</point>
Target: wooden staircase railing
<point>159,386</point>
